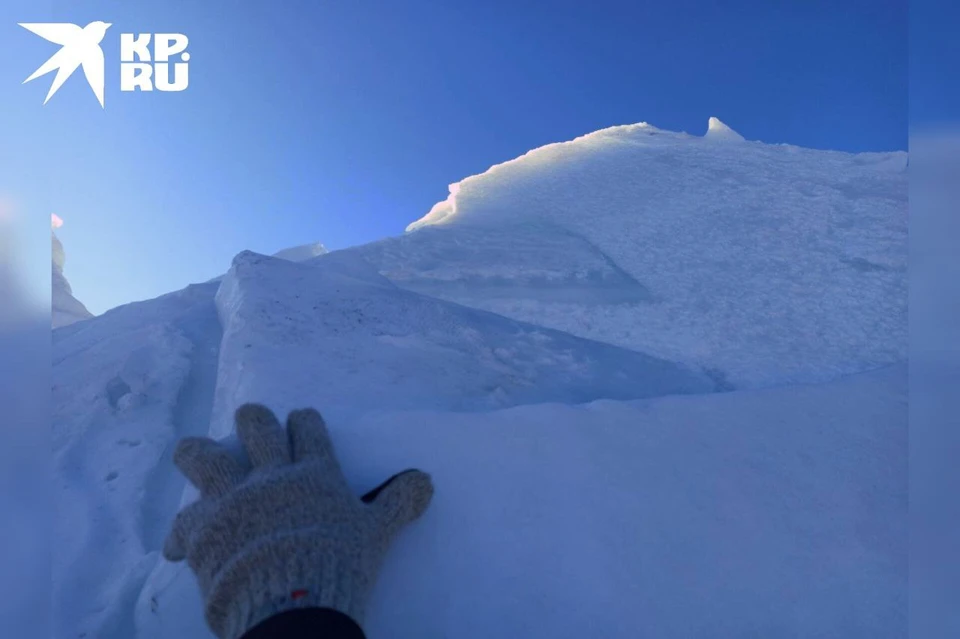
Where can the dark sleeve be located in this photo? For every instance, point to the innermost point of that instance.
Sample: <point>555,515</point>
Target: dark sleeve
<point>307,623</point>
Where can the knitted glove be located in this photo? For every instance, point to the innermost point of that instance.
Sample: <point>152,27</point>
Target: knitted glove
<point>288,533</point>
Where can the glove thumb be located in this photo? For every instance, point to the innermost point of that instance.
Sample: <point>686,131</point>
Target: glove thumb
<point>400,500</point>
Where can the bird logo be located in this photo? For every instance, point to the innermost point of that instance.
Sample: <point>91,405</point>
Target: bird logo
<point>80,46</point>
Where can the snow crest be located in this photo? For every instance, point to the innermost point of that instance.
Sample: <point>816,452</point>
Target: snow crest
<point>717,130</point>
<point>65,308</point>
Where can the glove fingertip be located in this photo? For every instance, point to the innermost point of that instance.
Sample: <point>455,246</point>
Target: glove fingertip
<point>176,545</point>
<point>254,413</point>
<point>262,435</point>
<point>173,549</point>
<point>309,437</point>
<point>420,492</point>
<point>402,499</point>
<point>186,451</point>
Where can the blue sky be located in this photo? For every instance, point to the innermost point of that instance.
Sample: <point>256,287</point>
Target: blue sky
<point>342,121</point>
<point>934,62</point>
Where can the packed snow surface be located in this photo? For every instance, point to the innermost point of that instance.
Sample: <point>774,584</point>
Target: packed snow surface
<point>772,263</point>
<point>551,343</point>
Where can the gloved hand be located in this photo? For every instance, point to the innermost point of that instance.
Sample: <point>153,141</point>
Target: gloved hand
<point>288,533</point>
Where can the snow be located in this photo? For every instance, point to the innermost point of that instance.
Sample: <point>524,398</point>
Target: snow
<point>65,308</point>
<point>126,385</point>
<point>773,264</point>
<point>551,343</point>
<point>353,334</point>
<point>302,252</point>
<point>717,130</point>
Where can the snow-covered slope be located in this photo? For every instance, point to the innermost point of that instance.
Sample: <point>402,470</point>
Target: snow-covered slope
<point>65,308</point>
<point>334,334</point>
<point>753,513</point>
<point>590,481</point>
<point>777,513</point>
<point>126,385</point>
<point>358,341</point>
<point>771,263</point>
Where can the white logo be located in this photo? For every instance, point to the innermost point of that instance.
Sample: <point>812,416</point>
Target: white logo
<point>140,69</point>
<point>80,47</point>
<point>137,75</point>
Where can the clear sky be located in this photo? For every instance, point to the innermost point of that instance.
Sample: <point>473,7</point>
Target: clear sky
<point>934,63</point>
<point>342,121</point>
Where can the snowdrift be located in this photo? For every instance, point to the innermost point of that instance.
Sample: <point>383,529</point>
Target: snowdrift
<point>335,334</point>
<point>550,344</point>
<point>348,344</point>
<point>772,264</point>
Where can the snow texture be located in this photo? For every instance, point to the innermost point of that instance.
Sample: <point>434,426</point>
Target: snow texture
<point>378,345</point>
<point>302,252</point>
<point>586,485</point>
<point>65,308</point>
<point>771,263</point>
